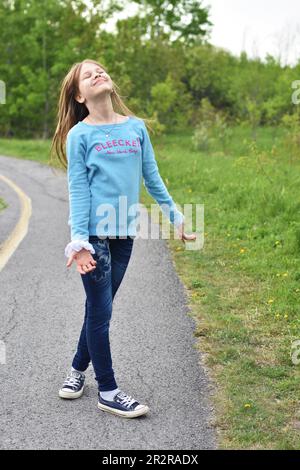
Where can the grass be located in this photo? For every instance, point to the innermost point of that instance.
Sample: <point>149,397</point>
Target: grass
<point>37,150</point>
<point>244,285</point>
<point>3,204</point>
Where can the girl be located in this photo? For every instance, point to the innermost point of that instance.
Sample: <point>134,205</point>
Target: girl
<point>107,154</point>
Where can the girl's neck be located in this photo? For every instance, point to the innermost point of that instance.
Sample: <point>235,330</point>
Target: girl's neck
<point>111,119</point>
<point>107,113</point>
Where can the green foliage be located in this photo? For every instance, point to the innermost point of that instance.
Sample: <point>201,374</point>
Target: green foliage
<point>171,102</point>
<point>213,128</point>
<point>158,12</point>
<point>163,65</point>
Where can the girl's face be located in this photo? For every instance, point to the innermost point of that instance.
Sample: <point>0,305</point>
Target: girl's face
<point>93,80</point>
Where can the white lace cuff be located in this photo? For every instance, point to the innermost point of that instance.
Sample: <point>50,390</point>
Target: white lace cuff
<point>77,245</point>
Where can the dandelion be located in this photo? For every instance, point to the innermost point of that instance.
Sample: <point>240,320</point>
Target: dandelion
<point>242,250</point>
<point>270,301</point>
<point>277,242</point>
<point>286,316</point>
<point>285,274</point>
<point>278,274</point>
<point>277,315</point>
<point>247,405</point>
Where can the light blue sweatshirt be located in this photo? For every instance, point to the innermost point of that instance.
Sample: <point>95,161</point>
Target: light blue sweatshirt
<point>104,178</point>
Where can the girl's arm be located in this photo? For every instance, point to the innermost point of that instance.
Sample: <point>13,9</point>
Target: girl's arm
<point>79,195</point>
<point>154,183</point>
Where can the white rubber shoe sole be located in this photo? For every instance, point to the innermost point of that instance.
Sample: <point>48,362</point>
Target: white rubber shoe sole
<point>125,414</point>
<point>65,394</point>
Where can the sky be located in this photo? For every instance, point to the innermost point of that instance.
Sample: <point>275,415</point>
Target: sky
<point>256,26</point>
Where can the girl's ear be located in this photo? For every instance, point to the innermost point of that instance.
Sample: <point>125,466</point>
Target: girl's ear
<point>79,99</point>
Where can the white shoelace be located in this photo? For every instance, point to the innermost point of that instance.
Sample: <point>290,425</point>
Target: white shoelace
<point>126,400</point>
<point>72,379</point>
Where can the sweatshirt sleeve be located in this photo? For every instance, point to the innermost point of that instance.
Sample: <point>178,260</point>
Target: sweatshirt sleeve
<point>79,189</point>
<point>154,183</point>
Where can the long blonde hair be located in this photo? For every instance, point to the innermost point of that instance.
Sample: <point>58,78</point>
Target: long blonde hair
<point>70,111</point>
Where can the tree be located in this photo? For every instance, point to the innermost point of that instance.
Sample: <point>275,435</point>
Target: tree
<point>186,19</point>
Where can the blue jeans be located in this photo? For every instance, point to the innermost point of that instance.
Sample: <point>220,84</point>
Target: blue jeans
<point>101,284</point>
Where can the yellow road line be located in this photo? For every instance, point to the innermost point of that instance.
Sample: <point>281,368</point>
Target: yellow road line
<point>8,247</point>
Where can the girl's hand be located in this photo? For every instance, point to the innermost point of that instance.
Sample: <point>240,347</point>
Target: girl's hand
<point>184,236</point>
<point>84,260</point>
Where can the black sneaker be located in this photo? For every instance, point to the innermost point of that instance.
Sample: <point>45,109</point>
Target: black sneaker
<point>73,386</point>
<point>122,405</point>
